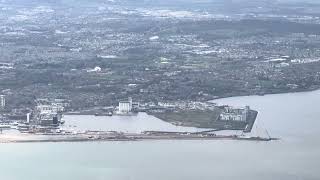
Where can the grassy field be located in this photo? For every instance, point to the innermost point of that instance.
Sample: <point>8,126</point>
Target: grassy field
<point>203,119</point>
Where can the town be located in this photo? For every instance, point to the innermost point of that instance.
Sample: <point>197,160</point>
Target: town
<point>153,56</point>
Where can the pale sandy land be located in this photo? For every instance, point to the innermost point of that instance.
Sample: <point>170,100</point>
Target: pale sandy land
<point>21,137</point>
<point>13,137</point>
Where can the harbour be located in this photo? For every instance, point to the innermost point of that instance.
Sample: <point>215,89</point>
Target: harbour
<point>46,122</point>
<point>294,156</point>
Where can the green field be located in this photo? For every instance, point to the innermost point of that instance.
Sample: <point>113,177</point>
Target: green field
<point>204,119</point>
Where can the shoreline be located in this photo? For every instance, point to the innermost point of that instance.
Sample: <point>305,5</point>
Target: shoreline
<point>32,138</point>
<point>93,112</point>
<point>268,94</point>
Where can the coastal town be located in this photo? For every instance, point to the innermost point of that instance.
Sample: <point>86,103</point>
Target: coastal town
<point>115,51</point>
<point>159,89</point>
<point>117,59</point>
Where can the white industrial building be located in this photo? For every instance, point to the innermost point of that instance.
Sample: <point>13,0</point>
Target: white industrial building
<point>232,117</point>
<point>231,114</point>
<point>48,114</point>
<point>125,106</point>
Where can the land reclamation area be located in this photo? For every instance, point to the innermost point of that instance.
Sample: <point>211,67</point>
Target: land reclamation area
<point>207,119</point>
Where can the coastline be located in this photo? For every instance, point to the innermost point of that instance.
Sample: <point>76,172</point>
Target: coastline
<point>93,111</point>
<point>268,94</point>
<point>30,138</point>
<point>23,138</point>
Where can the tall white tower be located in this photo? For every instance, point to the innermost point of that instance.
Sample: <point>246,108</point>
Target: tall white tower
<point>28,118</point>
<point>2,101</point>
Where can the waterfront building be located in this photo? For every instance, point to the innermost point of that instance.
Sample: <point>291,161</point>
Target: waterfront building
<point>48,114</point>
<point>124,107</point>
<point>235,114</point>
<point>231,117</point>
